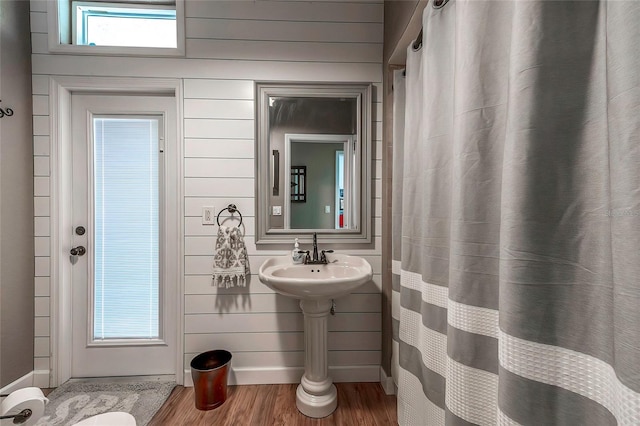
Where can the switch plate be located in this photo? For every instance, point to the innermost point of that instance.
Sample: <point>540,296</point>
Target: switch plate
<point>327,209</point>
<point>208,215</point>
<point>277,210</point>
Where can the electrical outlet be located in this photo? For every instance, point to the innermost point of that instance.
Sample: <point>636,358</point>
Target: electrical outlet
<point>208,215</point>
<point>327,209</point>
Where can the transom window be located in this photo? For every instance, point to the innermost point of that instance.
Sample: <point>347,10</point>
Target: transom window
<point>124,25</point>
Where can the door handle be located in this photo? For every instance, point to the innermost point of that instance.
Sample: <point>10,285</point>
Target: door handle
<point>78,251</point>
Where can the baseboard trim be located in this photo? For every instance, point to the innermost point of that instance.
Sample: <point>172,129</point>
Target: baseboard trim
<point>387,383</point>
<point>41,378</point>
<point>279,375</point>
<point>355,373</point>
<point>188,380</point>
<point>20,383</point>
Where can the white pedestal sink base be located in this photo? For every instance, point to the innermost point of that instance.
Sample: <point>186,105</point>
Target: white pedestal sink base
<point>316,406</point>
<point>316,285</point>
<point>316,395</point>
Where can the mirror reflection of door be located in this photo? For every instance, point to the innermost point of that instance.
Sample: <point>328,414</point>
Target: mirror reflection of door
<point>326,162</point>
<point>340,213</point>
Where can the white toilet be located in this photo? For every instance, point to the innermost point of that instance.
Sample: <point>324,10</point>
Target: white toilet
<point>109,419</point>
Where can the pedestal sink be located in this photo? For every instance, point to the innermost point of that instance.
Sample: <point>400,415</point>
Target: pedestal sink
<point>315,286</point>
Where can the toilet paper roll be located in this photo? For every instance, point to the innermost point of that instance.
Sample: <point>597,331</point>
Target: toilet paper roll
<point>27,398</point>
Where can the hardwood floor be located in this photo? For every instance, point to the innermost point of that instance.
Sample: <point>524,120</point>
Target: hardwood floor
<point>358,404</point>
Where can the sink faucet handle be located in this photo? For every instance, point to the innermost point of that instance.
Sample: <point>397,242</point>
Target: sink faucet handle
<point>307,258</point>
<point>323,256</point>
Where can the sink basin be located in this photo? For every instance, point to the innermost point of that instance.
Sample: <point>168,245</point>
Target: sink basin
<point>339,277</point>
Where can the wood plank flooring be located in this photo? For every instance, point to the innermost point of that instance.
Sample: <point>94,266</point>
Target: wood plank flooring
<point>358,404</point>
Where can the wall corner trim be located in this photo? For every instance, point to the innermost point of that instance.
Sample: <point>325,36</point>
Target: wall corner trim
<point>387,383</point>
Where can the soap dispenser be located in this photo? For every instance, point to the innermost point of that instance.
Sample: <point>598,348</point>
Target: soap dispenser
<point>296,256</point>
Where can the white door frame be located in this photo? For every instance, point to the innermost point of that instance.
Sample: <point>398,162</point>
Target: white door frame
<point>349,152</point>
<point>60,91</point>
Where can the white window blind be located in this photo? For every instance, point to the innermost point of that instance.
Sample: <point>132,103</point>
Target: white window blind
<point>126,227</point>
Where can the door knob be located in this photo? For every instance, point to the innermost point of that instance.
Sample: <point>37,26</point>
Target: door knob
<point>78,251</point>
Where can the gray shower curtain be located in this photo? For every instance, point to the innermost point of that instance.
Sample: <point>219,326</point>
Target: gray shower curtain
<point>516,216</point>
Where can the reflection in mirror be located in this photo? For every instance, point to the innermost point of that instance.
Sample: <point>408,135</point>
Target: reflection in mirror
<point>322,159</point>
<point>313,156</point>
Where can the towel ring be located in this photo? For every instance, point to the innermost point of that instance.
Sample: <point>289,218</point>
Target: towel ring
<point>232,209</point>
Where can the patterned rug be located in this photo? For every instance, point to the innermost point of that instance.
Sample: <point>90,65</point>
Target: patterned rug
<point>75,401</point>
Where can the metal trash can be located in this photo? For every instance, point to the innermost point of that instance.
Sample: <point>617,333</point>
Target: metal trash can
<point>209,372</point>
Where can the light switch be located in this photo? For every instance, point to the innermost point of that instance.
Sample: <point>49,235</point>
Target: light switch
<point>277,210</point>
<point>327,209</point>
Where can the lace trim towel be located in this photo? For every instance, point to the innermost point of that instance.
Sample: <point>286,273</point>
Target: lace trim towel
<point>230,263</point>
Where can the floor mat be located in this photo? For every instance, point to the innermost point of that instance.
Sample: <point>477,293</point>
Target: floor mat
<point>76,401</point>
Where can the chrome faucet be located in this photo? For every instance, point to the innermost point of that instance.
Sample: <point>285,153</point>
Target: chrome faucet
<point>315,247</point>
<point>314,260</point>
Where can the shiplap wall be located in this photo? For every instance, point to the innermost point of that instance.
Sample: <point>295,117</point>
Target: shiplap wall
<point>231,44</point>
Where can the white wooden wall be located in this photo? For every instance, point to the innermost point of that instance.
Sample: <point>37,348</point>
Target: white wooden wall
<point>229,45</point>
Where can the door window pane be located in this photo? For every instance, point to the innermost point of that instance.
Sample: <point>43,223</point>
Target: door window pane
<point>126,226</point>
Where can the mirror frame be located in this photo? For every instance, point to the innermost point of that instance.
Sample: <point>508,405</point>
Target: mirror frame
<point>363,93</point>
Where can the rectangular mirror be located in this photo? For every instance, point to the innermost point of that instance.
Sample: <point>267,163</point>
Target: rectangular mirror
<point>313,162</point>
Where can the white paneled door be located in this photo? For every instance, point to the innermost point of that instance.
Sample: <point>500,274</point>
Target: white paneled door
<point>123,309</point>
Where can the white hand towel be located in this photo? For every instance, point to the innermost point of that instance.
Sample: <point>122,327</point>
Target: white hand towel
<point>230,263</point>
